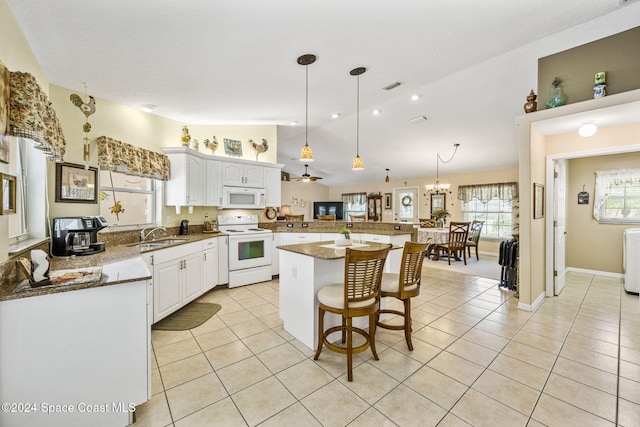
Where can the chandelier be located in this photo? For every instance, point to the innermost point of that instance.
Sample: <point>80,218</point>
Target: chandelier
<point>439,188</point>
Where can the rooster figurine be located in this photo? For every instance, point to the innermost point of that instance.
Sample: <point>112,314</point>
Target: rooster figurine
<point>260,148</point>
<point>87,108</point>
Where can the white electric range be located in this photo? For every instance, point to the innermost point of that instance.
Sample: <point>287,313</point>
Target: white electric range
<point>249,249</point>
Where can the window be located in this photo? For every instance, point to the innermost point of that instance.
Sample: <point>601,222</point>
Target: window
<point>617,196</point>
<point>354,204</point>
<point>493,204</point>
<point>136,195</point>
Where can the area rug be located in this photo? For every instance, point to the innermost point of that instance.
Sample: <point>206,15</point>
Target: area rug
<point>188,317</point>
<point>487,266</point>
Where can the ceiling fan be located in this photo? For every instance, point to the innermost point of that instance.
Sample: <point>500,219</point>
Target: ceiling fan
<point>306,177</point>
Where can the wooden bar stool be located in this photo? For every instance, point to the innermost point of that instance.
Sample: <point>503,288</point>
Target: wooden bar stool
<point>404,286</point>
<point>359,295</point>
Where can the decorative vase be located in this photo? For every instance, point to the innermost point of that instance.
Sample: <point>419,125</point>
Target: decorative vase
<point>440,222</point>
<point>185,139</point>
<point>343,240</point>
<point>531,105</point>
<point>556,97</point>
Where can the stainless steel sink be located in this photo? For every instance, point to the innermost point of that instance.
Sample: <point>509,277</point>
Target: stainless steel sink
<point>160,243</point>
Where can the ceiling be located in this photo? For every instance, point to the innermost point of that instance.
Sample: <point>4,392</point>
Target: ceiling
<point>215,62</point>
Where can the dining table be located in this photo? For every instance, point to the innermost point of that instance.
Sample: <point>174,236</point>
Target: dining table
<point>433,236</point>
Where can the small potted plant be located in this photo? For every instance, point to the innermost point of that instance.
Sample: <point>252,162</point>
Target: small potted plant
<point>344,237</point>
<point>440,215</point>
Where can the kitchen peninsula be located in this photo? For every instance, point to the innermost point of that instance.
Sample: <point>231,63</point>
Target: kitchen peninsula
<point>304,269</point>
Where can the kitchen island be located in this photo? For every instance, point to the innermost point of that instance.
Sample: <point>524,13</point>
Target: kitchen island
<point>304,269</point>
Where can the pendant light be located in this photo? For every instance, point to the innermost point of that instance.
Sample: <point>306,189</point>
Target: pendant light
<point>387,178</point>
<point>306,154</point>
<point>357,161</point>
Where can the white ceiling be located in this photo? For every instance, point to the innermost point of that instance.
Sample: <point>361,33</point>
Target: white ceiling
<point>234,62</point>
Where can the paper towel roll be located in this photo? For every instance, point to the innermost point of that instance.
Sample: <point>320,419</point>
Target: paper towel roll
<point>40,265</point>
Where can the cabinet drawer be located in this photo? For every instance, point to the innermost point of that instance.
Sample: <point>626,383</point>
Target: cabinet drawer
<point>176,252</point>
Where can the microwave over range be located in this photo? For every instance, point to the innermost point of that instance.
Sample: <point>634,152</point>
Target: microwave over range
<point>243,198</point>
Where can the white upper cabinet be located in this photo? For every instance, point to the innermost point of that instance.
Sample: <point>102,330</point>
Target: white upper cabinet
<point>273,186</point>
<point>186,184</point>
<point>213,184</point>
<point>242,175</point>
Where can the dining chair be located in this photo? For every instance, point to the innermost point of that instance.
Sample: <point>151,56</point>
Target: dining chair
<point>358,218</point>
<point>474,236</point>
<point>294,217</point>
<point>331,217</point>
<point>359,295</point>
<point>427,222</point>
<point>404,286</point>
<point>458,232</point>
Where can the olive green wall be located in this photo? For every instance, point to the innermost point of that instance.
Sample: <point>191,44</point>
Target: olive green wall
<point>577,67</point>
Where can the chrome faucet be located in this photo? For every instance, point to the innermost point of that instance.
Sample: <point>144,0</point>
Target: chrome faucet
<point>152,233</point>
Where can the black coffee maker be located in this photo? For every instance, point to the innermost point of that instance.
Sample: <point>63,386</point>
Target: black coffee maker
<point>184,227</point>
<point>77,235</point>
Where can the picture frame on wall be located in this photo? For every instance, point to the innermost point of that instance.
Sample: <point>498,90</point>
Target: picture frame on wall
<point>75,184</point>
<point>538,201</point>
<point>8,194</point>
<point>438,201</point>
<point>387,200</point>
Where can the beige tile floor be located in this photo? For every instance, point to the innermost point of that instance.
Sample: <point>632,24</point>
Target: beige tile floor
<point>477,360</point>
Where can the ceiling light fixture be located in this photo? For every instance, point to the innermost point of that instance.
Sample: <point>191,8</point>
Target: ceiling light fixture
<point>387,178</point>
<point>416,96</point>
<point>147,108</point>
<point>293,123</point>
<point>335,115</point>
<point>306,154</point>
<point>438,188</point>
<point>377,112</point>
<point>418,119</point>
<point>357,161</point>
<point>587,129</point>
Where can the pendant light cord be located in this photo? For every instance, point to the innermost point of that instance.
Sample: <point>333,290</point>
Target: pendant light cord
<point>306,106</point>
<point>358,118</point>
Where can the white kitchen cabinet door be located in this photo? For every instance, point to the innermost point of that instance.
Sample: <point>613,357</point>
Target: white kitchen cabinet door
<point>210,264</point>
<point>241,175</point>
<point>213,183</point>
<point>275,254</point>
<point>223,260</point>
<point>192,278</point>
<point>166,288</point>
<point>186,185</point>
<point>272,184</point>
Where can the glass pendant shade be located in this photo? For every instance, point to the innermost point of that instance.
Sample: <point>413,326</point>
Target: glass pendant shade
<point>387,178</point>
<point>357,164</point>
<point>306,154</point>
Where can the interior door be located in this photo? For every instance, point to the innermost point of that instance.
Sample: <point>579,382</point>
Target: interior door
<point>559,232</point>
<point>405,206</point>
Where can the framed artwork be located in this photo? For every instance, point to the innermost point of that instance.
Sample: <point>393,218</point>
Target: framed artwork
<point>4,113</point>
<point>538,201</point>
<point>438,201</point>
<point>387,200</point>
<point>8,194</point>
<point>232,147</point>
<point>75,184</point>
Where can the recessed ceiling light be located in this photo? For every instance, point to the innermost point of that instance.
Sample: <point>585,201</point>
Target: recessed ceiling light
<point>588,129</point>
<point>335,115</point>
<point>293,123</point>
<point>416,96</point>
<point>147,108</point>
<point>377,112</point>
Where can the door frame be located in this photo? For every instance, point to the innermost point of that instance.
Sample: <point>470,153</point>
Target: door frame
<point>416,201</point>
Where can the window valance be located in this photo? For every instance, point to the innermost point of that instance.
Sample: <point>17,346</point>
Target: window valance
<point>486,192</point>
<point>32,116</point>
<point>121,157</point>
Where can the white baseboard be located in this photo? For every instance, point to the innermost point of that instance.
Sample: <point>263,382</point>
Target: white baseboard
<point>596,272</point>
<point>534,306</point>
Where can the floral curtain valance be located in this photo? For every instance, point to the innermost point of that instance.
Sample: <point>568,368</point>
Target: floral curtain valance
<point>121,157</point>
<point>32,116</point>
<point>486,192</point>
<point>609,179</point>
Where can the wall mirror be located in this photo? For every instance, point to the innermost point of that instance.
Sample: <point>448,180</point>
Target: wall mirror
<point>8,194</point>
<point>438,201</point>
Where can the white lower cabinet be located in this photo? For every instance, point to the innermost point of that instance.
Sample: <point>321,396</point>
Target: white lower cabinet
<point>223,260</point>
<point>177,278</point>
<point>210,263</point>
<point>275,254</point>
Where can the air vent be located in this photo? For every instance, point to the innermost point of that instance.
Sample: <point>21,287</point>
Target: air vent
<point>418,119</point>
<point>392,86</point>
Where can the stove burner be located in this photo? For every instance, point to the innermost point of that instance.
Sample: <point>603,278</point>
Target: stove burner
<point>234,231</point>
<point>256,229</point>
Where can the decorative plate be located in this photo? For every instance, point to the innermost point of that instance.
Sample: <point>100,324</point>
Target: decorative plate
<point>232,147</point>
<point>270,213</point>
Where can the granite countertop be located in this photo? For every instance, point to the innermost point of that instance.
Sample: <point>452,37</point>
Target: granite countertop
<point>335,231</point>
<point>328,249</point>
